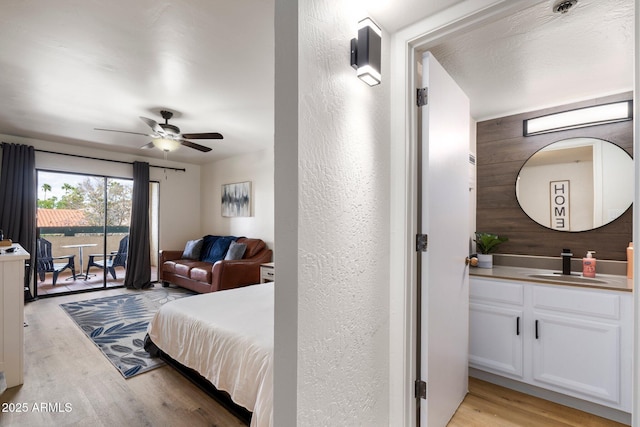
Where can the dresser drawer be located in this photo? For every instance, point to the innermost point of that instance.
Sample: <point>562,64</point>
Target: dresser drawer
<point>267,273</point>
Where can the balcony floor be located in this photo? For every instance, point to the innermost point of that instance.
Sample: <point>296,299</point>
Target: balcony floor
<point>66,284</point>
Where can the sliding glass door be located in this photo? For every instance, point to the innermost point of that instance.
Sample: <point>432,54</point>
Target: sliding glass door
<point>82,229</point>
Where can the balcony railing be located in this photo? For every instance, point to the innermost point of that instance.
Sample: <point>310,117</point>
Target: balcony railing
<point>73,230</point>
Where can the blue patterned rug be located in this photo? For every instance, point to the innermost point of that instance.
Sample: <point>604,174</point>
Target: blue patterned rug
<point>118,324</point>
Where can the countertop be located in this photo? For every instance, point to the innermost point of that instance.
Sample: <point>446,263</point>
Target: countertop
<point>18,254</point>
<point>535,275</point>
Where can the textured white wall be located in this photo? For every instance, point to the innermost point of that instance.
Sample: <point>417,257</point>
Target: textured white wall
<point>256,167</point>
<point>343,226</point>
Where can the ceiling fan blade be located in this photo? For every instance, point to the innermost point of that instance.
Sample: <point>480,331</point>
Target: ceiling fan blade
<point>124,131</point>
<point>153,125</point>
<point>207,135</point>
<point>194,145</point>
<point>146,146</point>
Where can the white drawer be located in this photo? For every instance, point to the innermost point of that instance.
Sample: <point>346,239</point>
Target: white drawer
<point>575,301</point>
<point>496,291</point>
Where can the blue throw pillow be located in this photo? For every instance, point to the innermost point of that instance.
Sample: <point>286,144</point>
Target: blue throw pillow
<point>207,244</point>
<point>218,249</point>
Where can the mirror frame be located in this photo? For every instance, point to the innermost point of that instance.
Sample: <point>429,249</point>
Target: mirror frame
<point>562,184</point>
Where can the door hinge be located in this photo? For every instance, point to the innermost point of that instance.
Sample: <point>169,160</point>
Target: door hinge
<point>421,389</point>
<point>422,241</point>
<point>422,97</point>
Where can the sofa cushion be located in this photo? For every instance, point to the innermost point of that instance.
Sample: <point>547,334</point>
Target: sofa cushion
<point>172,266</point>
<point>169,266</point>
<point>181,267</point>
<point>201,274</point>
<point>218,249</point>
<point>236,251</point>
<point>192,249</point>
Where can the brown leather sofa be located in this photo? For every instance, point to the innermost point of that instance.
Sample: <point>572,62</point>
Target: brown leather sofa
<point>202,276</point>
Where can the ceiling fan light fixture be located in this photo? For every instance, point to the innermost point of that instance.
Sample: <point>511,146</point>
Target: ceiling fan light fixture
<point>168,137</point>
<point>563,6</point>
<point>170,129</point>
<point>166,144</point>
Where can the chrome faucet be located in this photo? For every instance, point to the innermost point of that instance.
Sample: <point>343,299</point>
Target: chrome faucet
<point>566,261</point>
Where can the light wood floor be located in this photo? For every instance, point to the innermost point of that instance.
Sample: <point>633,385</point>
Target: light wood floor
<point>488,405</point>
<point>63,367</point>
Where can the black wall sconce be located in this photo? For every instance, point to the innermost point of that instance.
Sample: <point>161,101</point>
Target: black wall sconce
<point>366,52</point>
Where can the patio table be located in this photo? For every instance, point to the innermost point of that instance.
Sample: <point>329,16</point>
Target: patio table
<point>80,247</point>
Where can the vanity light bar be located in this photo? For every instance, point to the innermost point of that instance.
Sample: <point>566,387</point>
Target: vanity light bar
<point>582,117</point>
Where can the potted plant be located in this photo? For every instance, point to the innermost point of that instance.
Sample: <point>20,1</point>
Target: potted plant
<point>486,243</point>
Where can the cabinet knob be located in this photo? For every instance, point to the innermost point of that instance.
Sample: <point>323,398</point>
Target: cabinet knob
<point>473,261</point>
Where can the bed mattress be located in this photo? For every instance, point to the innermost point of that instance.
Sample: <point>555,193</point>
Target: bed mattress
<point>227,337</point>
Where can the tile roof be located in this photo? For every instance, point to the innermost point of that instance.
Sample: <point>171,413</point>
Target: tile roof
<point>61,218</point>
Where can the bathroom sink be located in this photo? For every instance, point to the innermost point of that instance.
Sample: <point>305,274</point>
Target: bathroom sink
<point>564,278</point>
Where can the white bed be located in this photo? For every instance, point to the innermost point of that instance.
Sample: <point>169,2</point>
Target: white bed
<point>227,337</point>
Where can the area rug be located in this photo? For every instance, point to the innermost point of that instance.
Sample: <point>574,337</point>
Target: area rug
<point>117,325</point>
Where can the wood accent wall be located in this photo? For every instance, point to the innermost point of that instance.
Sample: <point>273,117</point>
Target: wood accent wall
<point>501,152</point>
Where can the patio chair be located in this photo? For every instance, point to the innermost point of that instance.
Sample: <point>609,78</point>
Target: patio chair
<point>114,259</point>
<point>47,263</point>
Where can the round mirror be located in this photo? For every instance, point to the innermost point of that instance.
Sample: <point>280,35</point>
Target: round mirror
<point>576,184</point>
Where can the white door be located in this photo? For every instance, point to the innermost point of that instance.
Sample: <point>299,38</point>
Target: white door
<point>445,219</point>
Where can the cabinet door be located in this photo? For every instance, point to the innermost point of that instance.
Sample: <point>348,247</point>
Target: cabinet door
<point>495,339</point>
<point>577,356</point>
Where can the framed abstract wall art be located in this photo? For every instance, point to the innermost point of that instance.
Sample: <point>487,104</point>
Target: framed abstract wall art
<point>236,199</point>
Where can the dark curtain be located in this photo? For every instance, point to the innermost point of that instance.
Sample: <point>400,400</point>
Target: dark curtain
<point>138,274</point>
<point>18,199</point>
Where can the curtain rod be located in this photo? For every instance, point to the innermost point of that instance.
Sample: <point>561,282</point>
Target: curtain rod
<point>109,160</point>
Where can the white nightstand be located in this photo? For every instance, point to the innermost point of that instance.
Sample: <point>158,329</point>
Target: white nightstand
<point>267,272</point>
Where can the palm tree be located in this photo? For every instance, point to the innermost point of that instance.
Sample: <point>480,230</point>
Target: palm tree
<point>45,188</point>
<point>67,188</point>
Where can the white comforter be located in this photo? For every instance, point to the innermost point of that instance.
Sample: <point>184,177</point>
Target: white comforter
<point>227,336</point>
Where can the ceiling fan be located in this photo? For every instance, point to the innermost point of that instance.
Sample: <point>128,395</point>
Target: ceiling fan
<point>167,137</point>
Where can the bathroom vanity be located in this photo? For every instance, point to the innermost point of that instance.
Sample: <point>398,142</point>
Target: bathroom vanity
<point>536,324</point>
<point>565,335</point>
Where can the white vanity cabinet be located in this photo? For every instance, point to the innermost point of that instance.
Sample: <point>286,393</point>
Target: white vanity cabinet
<point>571,340</point>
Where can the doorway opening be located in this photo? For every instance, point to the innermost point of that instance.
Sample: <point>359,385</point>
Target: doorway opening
<point>407,45</point>
<point>82,231</point>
